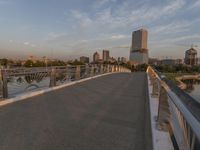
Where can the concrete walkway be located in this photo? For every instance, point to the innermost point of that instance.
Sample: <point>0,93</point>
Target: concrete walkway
<point>106,113</point>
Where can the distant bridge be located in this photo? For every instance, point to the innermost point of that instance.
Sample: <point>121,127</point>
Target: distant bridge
<point>107,108</point>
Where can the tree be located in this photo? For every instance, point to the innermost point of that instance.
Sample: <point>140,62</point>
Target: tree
<point>28,63</point>
<point>39,64</point>
<point>76,62</point>
<point>4,62</point>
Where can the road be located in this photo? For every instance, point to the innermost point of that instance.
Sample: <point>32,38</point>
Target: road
<point>106,113</point>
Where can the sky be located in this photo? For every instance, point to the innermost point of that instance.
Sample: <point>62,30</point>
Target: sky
<point>68,29</point>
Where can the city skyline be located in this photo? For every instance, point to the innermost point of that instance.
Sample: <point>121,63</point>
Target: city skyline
<point>70,29</point>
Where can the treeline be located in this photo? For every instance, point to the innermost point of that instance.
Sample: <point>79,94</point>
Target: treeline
<point>177,69</point>
<point>38,63</point>
<point>165,68</point>
<point>29,63</point>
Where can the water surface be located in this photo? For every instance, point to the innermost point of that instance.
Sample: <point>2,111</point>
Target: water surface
<point>193,88</point>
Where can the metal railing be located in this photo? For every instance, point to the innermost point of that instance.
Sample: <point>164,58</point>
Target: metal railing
<point>178,112</point>
<point>20,80</point>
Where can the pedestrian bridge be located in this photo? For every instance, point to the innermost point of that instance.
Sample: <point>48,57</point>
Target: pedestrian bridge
<point>105,113</point>
<point>108,112</point>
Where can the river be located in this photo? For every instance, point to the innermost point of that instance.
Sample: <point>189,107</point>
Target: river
<point>193,88</point>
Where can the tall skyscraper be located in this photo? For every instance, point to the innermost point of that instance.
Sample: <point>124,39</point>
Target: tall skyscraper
<point>106,55</point>
<point>139,50</point>
<point>191,57</point>
<point>96,57</point>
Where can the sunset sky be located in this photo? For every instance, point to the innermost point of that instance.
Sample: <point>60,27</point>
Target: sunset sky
<point>68,29</point>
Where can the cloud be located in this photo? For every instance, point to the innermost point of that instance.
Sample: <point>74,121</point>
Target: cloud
<point>26,43</point>
<point>186,39</point>
<point>29,44</point>
<point>172,28</point>
<point>4,2</point>
<point>124,15</point>
<point>119,36</point>
<point>109,23</point>
<point>53,35</point>
<point>195,5</point>
<point>100,3</point>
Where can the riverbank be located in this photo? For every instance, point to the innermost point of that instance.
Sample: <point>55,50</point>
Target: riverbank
<point>178,78</point>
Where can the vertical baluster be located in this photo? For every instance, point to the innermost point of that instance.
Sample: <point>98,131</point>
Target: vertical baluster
<point>78,73</point>
<point>193,142</point>
<point>108,68</point>
<point>4,84</point>
<point>87,70</point>
<point>155,89</point>
<point>101,69</point>
<point>163,110</point>
<point>52,78</point>
<point>92,70</point>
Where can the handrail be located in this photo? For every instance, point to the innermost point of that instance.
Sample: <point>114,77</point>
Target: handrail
<point>52,76</point>
<point>189,108</point>
<point>187,100</point>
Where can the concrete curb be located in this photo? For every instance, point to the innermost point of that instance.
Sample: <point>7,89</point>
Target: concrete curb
<point>36,93</point>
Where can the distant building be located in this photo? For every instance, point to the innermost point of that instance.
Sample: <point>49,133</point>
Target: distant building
<point>96,57</point>
<point>179,61</point>
<point>139,50</point>
<point>123,60</point>
<point>112,60</point>
<point>154,61</point>
<point>191,57</point>
<point>84,59</point>
<point>169,62</point>
<point>118,59</point>
<point>198,61</point>
<point>106,55</point>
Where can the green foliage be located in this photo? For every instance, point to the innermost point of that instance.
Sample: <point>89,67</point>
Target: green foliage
<point>57,63</point>
<point>177,69</point>
<point>75,62</point>
<point>28,63</point>
<point>38,63</point>
<point>4,62</point>
<point>139,68</point>
<point>172,76</point>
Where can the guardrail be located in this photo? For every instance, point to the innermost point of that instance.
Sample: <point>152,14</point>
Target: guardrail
<point>20,80</point>
<point>178,112</point>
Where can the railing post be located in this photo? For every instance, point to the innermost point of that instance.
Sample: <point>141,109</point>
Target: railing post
<point>4,86</point>
<point>151,75</point>
<point>87,70</point>
<point>155,89</point>
<point>114,68</point>
<point>91,70</point>
<point>78,73</point>
<point>108,68</point>
<point>120,68</point>
<point>101,69</point>
<point>163,111</point>
<point>53,78</point>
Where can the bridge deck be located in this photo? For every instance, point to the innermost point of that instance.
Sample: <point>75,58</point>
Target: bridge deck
<point>106,113</point>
